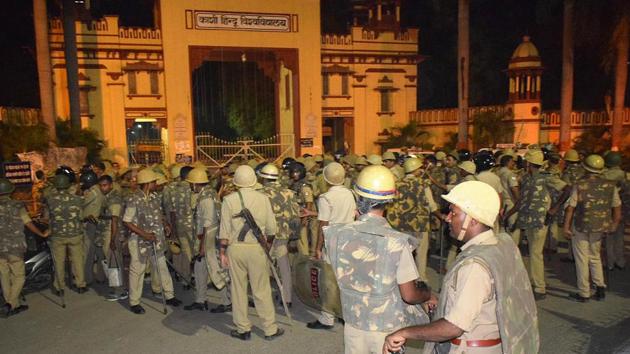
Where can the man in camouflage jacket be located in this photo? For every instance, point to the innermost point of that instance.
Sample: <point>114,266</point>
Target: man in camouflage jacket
<point>13,218</point>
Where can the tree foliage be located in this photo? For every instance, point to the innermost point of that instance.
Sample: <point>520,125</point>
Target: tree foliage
<point>68,136</point>
<point>409,135</point>
<point>489,129</point>
<point>22,138</point>
<point>594,140</point>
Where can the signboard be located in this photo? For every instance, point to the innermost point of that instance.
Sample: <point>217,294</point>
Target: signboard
<point>237,21</point>
<point>306,142</point>
<point>18,172</point>
<point>183,158</point>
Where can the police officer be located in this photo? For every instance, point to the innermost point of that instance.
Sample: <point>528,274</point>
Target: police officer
<point>65,211</point>
<point>181,218</point>
<point>206,260</point>
<point>511,192</point>
<point>614,241</point>
<point>389,161</point>
<point>144,218</point>
<point>533,208</point>
<point>573,171</point>
<point>594,209</point>
<point>244,255</point>
<point>92,204</point>
<point>374,268</point>
<point>486,304</point>
<point>337,206</point>
<point>13,218</point>
<point>108,228</point>
<point>287,211</point>
<point>412,208</point>
<point>307,242</point>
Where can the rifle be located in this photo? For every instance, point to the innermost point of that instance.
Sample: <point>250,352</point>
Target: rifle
<point>250,224</point>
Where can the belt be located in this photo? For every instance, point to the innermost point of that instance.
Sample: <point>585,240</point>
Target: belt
<point>478,343</point>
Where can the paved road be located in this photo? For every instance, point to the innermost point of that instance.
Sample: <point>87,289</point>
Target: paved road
<point>92,325</point>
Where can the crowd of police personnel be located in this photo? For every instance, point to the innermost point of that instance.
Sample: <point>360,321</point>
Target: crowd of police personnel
<point>156,222</point>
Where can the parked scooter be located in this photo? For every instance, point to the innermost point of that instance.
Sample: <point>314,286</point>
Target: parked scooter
<point>38,263</point>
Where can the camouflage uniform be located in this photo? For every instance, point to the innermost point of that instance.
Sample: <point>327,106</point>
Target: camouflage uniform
<point>112,207</point>
<point>287,211</point>
<point>66,230</point>
<point>410,213</point>
<point>92,204</point>
<point>145,212</point>
<point>181,204</point>
<point>593,198</point>
<point>398,172</point>
<point>206,267</point>
<point>13,217</point>
<point>370,259</point>
<point>308,232</point>
<point>571,174</point>
<point>615,240</point>
<point>534,205</point>
<point>555,222</point>
<point>509,180</point>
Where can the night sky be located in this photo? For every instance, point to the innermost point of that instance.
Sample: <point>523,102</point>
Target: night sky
<point>496,28</point>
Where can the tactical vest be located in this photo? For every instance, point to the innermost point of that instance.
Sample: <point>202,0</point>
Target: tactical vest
<point>516,312</point>
<point>410,210</point>
<point>12,240</point>
<point>65,214</point>
<point>593,212</point>
<point>285,208</point>
<point>365,256</point>
<point>535,201</point>
<point>182,206</point>
<point>148,218</point>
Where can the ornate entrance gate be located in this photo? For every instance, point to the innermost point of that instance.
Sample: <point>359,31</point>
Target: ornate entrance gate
<point>215,152</point>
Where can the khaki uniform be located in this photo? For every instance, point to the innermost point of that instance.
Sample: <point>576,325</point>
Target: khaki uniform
<point>92,204</point>
<point>206,218</point>
<point>398,172</point>
<point>535,204</point>
<point>556,221</point>
<point>145,211</point>
<point>112,207</point>
<point>593,199</point>
<point>308,232</point>
<point>615,240</point>
<point>471,302</point>
<point>65,211</point>
<point>337,206</point>
<point>247,259</point>
<point>13,217</point>
<point>509,180</point>
<point>488,284</point>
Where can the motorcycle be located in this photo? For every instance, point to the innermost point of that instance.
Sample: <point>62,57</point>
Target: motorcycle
<point>38,263</point>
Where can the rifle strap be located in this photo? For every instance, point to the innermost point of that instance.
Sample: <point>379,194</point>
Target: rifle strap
<point>245,229</point>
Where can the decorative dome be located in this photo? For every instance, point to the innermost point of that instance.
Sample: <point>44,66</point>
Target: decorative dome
<point>525,56</point>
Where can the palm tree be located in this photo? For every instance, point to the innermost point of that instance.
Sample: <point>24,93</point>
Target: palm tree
<point>620,42</point>
<point>463,63</point>
<point>44,71</point>
<point>72,62</point>
<point>566,101</point>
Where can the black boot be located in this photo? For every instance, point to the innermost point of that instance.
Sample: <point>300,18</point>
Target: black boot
<point>600,293</point>
<point>197,306</point>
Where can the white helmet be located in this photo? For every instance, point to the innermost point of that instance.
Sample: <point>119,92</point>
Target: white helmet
<point>477,199</point>
<point>244,176</point>
<point>269,171</point>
